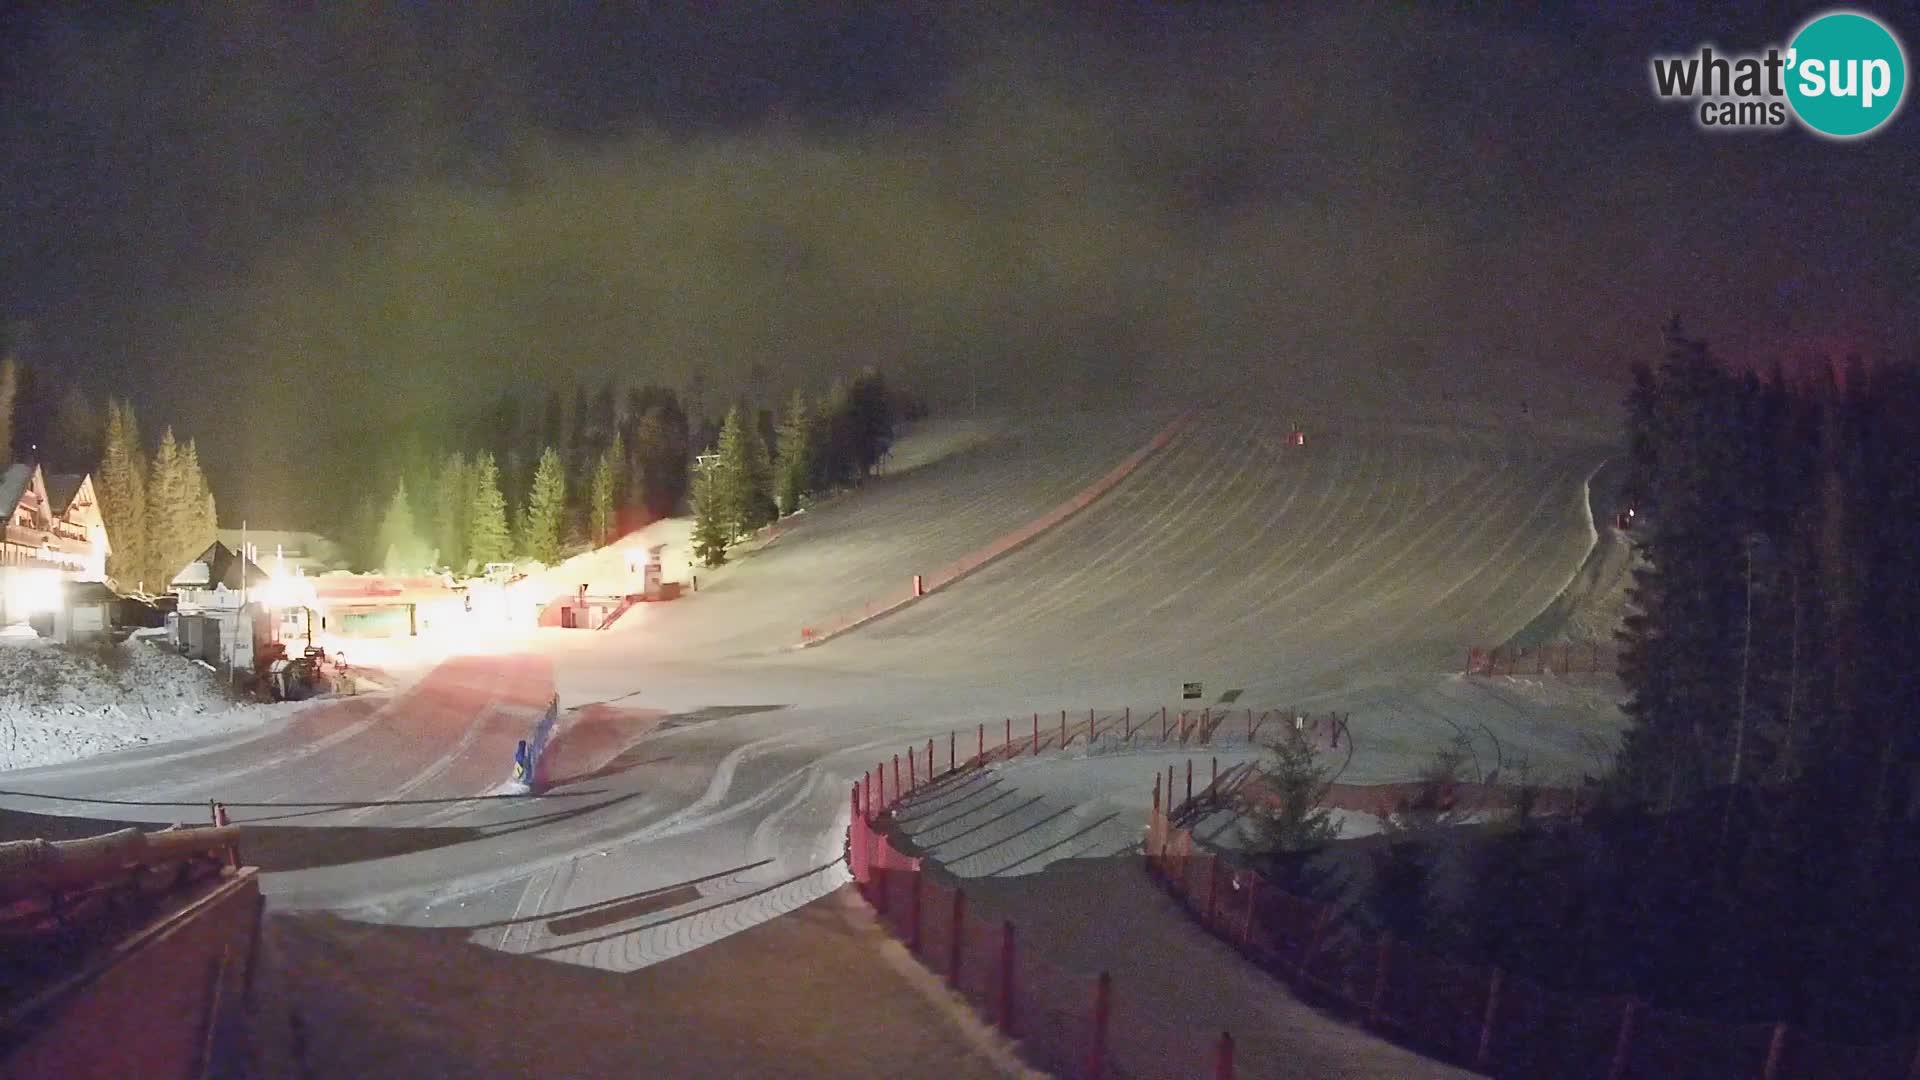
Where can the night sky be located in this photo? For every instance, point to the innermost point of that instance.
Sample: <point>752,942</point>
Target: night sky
<point>281,228</point>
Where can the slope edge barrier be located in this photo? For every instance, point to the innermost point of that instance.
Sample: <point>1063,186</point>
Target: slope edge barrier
<point>1483,1018</point>
<point>980,558</point>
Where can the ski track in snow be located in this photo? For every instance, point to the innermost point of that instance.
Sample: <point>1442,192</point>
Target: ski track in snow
<point>1348,574</point>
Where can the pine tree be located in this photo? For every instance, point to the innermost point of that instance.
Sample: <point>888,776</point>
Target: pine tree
<point>122,488</point>
<point>742,477</point>
<point>1294,820</point>
<point>399,542</point>
<point>78,431</point>
<point>452,500</point>
<point>710,530</point>
<point>199,527</point>
<point>600,501</point>
<point>487,538</point>
<point>9,393</point>
<point>167,525</point>
<point>793,473</point>
<point>546,510</point>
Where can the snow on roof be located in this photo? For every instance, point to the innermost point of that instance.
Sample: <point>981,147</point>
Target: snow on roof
<point>61,488</point>
<point>13,484</point>
<point>218,565</point>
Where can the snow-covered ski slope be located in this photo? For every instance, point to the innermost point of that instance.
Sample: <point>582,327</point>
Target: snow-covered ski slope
<point>1283,571</point>
<point>1346,574</point>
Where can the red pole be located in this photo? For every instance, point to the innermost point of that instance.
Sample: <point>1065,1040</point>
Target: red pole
<point>1223,1057</point>
<point>929,760</point>
<point>953,751</point>
<point>956,945</point>
<point>898,791</point>
<point>1036,733</point>
<point>882,770</point>
<point>866,797</point>
<point>1169,791</point>
<point>1623,1046</point>
<point>1091,729</point>
<point>913,771</point>
<point>1777,1051</point>
<point>1215,782</point>
<point>913,914</point>
<point>856,802</point>
<point>1377,1007</point>
<point>1102,1005</point>
<point>1483,1054</point>
<point>982,736</point>
<point>1063,729</point>
<point>1006,977</point>
<point>1009,736</point>
<point>1213,889</point>
<point>1126,722</point>
<point>1189,779</point>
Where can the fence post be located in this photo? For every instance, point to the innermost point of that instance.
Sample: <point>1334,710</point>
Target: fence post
<point>1223,1057</point>
<point>1169,792</point>
<point>898,791</point>
<point>1097,1046</point>
<point>882,770</point>
<point>1189,779</point>
<point>1213,888</point>
<point>1063,729</point>
<point>1483,1054</point>
<point>1377,1007</point>
<point>913,914</point>
<point>1623,1046</point>
<point>1776,1052</point>
<point>1009,746</point>
<point>1006,977</point>
<point>956,944</point>
<point>982,735</point>
<point>1126,723</point>
<point>929,759</point>
<point>913,771</point>
<point>1092,729</point>
<point>1214,782</point>
<point>1036,733</point>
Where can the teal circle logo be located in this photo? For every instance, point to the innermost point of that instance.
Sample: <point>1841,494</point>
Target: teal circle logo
<point>1846,74</point>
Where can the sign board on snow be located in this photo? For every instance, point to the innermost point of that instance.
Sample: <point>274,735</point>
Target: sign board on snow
<point>1190,691</point>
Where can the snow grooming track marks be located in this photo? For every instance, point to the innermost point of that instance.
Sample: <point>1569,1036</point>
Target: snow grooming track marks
<point>949,574</point>
<point>1372,545</point>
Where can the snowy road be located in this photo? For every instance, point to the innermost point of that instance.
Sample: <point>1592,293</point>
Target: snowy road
<point>1349,573</point>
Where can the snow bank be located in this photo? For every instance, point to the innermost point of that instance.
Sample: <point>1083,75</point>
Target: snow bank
<point>59,704</point>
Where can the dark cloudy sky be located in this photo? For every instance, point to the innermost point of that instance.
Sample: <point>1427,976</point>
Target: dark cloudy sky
<point>281,227</point>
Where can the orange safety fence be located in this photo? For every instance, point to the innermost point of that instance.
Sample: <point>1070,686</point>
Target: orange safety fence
<point>1068,1023</point>
<point>1477,1016</point>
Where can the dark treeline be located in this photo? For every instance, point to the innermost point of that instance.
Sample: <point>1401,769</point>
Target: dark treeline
<point>537,477</point>
<point>1755,856</point>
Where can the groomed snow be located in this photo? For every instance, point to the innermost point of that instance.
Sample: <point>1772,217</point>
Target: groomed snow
<point>59,704</point>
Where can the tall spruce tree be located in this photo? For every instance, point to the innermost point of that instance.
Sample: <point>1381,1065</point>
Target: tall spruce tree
<point>168,527</point>
<point>710,528</point>
<point>545,518</point>
<point>600,500</point>
<point>793,472</point>
<point>451,499</point>
<point>742,476</point>
<point>488,540</point>
<point>122,488</point>
<point>9,397</point>
<point>401,549</point>
<point>199,521</point>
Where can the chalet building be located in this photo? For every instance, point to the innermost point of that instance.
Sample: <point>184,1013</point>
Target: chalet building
<point>53,534</point>
<point>217,579</point>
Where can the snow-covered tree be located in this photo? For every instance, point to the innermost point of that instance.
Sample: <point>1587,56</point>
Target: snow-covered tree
<point>487,537</point>
<point>122,488</point>
<point>546,509</point>
<point>710,530</point>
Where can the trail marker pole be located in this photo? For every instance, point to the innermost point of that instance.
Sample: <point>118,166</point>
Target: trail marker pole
<point>1483,1053</point>
<point>913,771</point>
<point>1006,977</point>
<point>1102,1006</point>
<point>956,945</point>
<point>898,791</point>
<point>1036,733</point>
